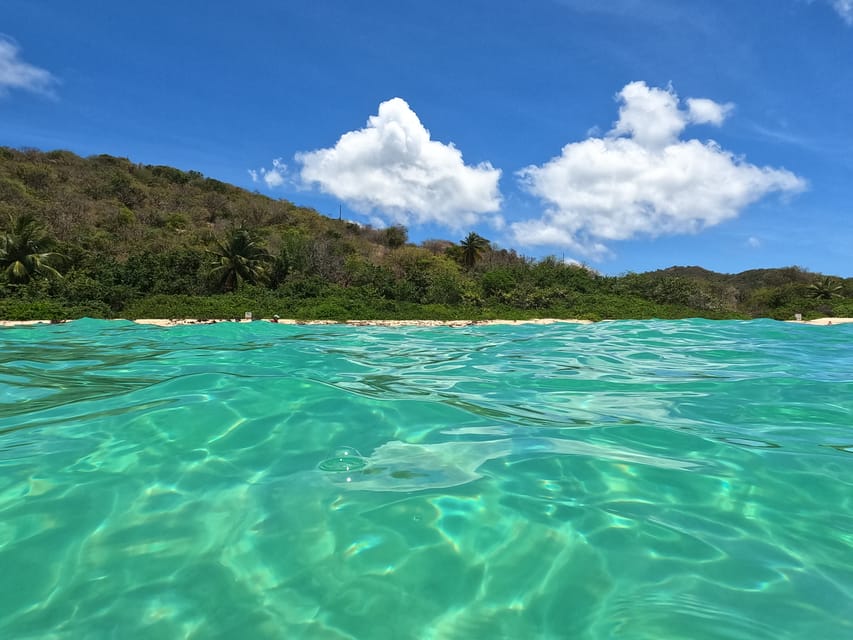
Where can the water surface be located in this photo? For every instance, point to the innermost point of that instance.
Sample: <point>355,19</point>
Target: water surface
<point>680,479</point>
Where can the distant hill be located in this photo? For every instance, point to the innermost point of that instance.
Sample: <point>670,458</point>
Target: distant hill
<point>746,280</point>
<point>117,206</point>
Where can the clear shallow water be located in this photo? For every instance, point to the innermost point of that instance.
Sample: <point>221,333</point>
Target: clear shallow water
<point>686,479</point>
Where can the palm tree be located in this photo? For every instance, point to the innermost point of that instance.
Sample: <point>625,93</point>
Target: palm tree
<point>824,289</point>
<point>24,251</point>
<point>472,249</point>
<point>239,259</point>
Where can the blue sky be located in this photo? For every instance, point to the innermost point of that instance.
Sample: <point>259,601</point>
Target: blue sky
<point>630,134</point>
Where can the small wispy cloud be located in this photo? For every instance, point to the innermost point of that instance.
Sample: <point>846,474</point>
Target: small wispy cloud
<point>274,177</point>
<point>827,144</point>
<point>844,8</point>
<point>753,242</point>
<point>17,74</point>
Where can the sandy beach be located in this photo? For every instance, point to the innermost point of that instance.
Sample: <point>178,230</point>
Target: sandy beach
<point>162,322</point>
<point>823,321</point>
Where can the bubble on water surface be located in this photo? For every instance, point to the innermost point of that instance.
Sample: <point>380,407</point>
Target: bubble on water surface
<point>344,459</point>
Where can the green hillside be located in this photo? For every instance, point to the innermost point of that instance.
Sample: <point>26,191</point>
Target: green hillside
<point>106,237</point>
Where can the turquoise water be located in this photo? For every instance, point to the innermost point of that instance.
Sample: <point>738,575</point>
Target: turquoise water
<point>682,479</point>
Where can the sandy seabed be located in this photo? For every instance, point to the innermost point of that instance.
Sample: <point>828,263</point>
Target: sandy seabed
<point>160,322</point>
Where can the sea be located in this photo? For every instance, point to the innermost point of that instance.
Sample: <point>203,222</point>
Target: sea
<point>635,480</point>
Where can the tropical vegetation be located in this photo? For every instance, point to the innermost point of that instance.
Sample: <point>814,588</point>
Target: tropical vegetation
<point>238,259</point>
<point>107,237</point>
<point>24,251</point>
<point>825,289</point>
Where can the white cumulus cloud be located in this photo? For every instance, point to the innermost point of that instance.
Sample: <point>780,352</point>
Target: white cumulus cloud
<point>17,74</point>
<point>393,169</point>
<point>641,178</point>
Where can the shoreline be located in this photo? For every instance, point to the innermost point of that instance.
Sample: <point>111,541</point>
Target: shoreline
<point>163,322</point>
<point>174,322</point>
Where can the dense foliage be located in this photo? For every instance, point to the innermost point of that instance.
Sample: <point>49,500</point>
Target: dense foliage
<point>105,237</point>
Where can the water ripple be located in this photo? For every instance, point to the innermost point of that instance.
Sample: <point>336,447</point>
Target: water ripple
<point>622,479</point>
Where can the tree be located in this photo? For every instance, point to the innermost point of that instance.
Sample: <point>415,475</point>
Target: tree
<point>473,247</point>
<point>824,289</point>
<point>239,259</point>
<point>395,236</point>
<point>24,251</point>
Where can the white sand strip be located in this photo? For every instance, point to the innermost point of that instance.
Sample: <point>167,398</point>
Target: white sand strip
<point>162,322</point>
